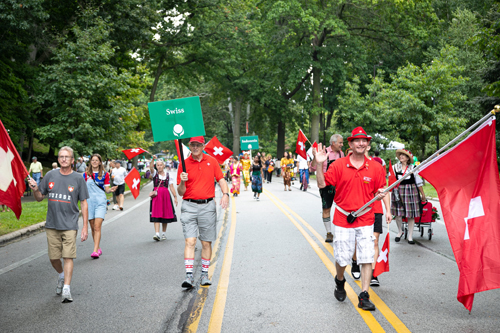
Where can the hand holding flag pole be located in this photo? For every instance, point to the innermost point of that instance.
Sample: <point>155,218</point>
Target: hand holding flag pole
<point>353,215</point>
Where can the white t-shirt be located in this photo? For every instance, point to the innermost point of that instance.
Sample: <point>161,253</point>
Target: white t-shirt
<point>119,175</point>
<point>170,179</point>
<point>303,162</point>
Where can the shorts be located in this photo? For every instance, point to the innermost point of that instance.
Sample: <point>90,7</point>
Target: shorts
<point>327,196</point>
<point>346,239</point>
<point>120,189</point>
<point>97,209</point>
<point>377,226</point>
<point>199,219</point>
<point>62,243</point>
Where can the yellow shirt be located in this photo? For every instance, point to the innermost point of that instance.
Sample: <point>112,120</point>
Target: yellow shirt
<point>246,164</point>
<point>284,163</point>
<point>35,167</point>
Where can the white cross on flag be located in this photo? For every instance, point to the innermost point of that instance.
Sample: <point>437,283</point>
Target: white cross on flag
<point>466,179</point>
<point>382,264</point>
<point>133,181</point>
<point>215,149</point>
<point>133,152</point>
<point>301,145</point>
<point>12,174</point>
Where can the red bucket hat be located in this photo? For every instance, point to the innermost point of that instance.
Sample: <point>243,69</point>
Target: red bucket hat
<point>359,133</point>
<point>199,139</point>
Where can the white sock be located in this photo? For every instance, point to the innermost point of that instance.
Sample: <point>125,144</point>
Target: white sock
<point>328,224</point>
<point>66,286</point>
<point>157,234</point>
<point>61,275</point>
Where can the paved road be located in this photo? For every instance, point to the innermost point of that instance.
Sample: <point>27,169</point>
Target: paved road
<point>272,272</point>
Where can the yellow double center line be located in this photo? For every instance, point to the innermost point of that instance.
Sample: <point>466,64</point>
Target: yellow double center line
<point>368,317</point>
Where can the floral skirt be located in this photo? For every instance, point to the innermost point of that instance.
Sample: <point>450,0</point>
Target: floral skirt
<point>236,182</point>
<point>257,182</point>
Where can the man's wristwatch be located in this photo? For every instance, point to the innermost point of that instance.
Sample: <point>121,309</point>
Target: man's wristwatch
<point>225,194</point>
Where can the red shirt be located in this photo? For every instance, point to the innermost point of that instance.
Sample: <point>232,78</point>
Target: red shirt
<point>354,188</point>
<point>200,184</point>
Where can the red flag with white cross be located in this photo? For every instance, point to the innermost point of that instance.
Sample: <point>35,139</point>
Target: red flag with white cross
<point>133,152</point>
<point>382,264</point>
<point>301,145</point>
<point>215,149</point>
<point>466,179</point>
<point>133,181</point>
<point>12,174</point>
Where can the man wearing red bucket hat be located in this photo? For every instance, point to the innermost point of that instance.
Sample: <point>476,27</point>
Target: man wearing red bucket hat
<point>357,179</point>
<point>198,211</point>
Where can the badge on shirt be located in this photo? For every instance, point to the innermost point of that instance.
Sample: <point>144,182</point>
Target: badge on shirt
<point>367,180</point>
<point>51,185</point>
<point>208,163</point>
<point>71,188</point>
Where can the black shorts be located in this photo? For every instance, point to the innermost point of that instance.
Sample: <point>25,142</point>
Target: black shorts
<point>327,196</point>
<point>377,226</point>
<point>120,189</point>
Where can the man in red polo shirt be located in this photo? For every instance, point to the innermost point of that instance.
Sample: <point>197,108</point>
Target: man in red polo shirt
<point>356,179</point>
<point>198,211</point>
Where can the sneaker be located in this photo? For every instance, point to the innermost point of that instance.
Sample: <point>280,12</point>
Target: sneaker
<point>355,271</point>
<point>258,198</point>
<point>329,237</point>
<point>156,238</point>
<point>66,296</point>
<point>364,302</point>
<point>95,255</point>
<point>115,207</point>
<point>374,282</point>
<point>60,285</point>
<point>205,281</point>
<point>121,208</point>
<point>188,282</point>
<point>339,293</point>
<point>163,237</point>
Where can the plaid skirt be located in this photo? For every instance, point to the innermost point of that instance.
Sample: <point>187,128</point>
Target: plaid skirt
<point>409,205</point>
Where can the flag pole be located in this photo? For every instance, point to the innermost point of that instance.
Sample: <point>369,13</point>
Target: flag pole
<point>181,152</point>
<point>353,215</point>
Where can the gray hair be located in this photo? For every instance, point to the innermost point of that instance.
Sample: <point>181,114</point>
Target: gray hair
<point>335,138</point>
<point>68,149</point>
<point>161,161</point>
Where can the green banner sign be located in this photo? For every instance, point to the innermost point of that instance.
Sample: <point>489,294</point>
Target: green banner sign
<point>249,142</point>
<point>176,119</point>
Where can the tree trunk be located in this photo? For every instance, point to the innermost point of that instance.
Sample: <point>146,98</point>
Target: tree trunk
<point>316,104</point>
<point>236,106</point>
<point>281,140</point>
<point>21,143</point>
<point>157,78</point>
<point>51,151</point>
<point>30,149</point>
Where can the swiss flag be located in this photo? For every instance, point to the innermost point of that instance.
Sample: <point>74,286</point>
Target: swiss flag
<point>215,149</point>
<point>392,175</point>
<point>382,264</point>
<point>133,181</point>
<point>301,145</point>
<point>12,174</point>
<point>185,150</point>
<point>469,193</point>
<point>133,152</point>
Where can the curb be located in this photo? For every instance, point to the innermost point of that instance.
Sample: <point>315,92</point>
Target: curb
<point>24,232</point>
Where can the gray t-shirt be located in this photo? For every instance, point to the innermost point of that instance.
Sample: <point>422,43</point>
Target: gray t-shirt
<point>63,193</point>
<point>81,167</point>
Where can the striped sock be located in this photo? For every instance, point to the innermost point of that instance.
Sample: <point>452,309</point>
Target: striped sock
<point>188,262</point>
<point>205,263</point>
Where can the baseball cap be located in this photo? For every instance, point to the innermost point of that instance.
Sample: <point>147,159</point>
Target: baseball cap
<point>199,139</point>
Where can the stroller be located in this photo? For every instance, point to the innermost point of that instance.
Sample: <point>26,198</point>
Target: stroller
<point>425,220</point>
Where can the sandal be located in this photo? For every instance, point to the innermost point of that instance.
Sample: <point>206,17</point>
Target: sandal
<point>95,255</point>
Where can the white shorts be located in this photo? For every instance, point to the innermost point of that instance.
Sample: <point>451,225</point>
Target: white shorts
<point>345,239</point>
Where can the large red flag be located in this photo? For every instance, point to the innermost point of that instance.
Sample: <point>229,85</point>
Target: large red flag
<point>133,181</point>
<point>12,174</point>
<point>301,145</point>
<point>382,264</point>
<point>133,152</point>
<point>392,175</point>
<point>466,179</point>
<point>215,149</point>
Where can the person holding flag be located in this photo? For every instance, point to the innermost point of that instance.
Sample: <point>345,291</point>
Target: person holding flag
<point>408,195</point>
<point>198,211</point>
<point>334,152</point>
<point>357,180</point>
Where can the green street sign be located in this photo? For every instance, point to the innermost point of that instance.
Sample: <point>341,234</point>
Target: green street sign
<point>176,119</point>
<point>249,142</point>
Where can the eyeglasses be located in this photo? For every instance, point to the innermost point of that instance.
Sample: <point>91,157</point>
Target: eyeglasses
<point>64,157</point>
<point>195,145</point>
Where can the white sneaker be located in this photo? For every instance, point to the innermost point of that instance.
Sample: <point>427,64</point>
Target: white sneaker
<point>66,296</point>
<point>60,285</point>
<point>115,207</point>
<point>156,237</point>
<point>163,237</point>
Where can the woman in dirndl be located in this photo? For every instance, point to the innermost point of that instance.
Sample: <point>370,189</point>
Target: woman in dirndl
<point>235,171</point>
<point>406,198</point>
<point>257,177</point>
<point>161,209</point>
